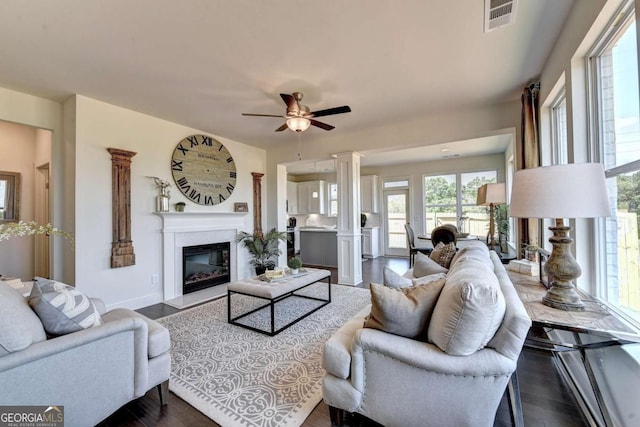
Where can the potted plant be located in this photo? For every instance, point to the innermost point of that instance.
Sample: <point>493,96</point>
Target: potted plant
<point>263,247</point>
<point>294,263</point>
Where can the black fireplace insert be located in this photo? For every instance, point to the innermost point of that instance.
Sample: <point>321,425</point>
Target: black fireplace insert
<point>204,266</point>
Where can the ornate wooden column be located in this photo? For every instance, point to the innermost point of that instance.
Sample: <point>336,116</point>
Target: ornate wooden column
<point>121,247</point>
<point>257,202</point>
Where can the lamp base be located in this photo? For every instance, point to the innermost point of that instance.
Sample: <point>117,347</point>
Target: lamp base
<point>563,299</point>
<point>564,269</point>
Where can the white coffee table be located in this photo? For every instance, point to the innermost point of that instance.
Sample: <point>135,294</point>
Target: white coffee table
<point>274,292</point>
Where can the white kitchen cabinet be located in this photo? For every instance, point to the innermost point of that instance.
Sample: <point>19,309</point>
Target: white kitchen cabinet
<point>311,197</point>
<point>370,242</point>
<point>292,197</point>
<point>369,193</point>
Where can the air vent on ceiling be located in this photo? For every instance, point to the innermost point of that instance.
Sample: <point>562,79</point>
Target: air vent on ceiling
<point>498,13</point>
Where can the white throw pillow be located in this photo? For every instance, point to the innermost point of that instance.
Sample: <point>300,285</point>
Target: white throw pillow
<point>424,280</point>
<point>469,310</point>
<point>424,266</point>
<point>393,280</point>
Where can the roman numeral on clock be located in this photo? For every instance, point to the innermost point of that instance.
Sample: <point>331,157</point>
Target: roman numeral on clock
<point>207,140</point>
<point>208,200</point>
<point>183,150</point>
<point>193,140</point>
<point>176,165</point>
<point>194,195</point>
<point>230,188</point>
<point>232,174</point>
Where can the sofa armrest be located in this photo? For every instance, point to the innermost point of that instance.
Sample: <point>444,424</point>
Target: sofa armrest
<point>423,356</point>
<point>91,372</point>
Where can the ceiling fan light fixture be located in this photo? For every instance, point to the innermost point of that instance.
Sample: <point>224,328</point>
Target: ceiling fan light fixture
<point>298,124</point>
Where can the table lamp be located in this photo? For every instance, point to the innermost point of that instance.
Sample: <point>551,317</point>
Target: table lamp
<point>562,191</point>
<point>491,195</point>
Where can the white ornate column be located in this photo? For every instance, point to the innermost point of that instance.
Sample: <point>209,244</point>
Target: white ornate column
<point>349,232</point>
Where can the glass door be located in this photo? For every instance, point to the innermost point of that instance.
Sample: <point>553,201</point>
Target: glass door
<point>396,204</point>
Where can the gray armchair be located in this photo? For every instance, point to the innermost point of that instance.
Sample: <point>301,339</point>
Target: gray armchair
<point>92,372</point>
<point>399,381</point>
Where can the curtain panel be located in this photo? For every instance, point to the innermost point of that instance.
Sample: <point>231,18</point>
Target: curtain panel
<point>529,233</point>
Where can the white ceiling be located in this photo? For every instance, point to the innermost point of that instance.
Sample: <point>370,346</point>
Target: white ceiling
<point>202,63</point>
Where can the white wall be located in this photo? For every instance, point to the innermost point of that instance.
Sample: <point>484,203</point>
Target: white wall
<point>17,150</point>
<point>99,126</point>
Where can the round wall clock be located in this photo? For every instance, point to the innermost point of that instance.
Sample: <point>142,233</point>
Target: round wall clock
<point>204,170</point>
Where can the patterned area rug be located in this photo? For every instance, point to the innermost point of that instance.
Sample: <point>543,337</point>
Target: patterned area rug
<point>238,377</point>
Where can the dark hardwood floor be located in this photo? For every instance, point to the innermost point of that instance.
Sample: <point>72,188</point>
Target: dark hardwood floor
<point>546,399</point>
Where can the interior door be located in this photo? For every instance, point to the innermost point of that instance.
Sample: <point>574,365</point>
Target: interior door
<point>396,213</point>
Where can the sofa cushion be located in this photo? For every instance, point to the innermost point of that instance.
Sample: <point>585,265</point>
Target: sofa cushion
<point>405,312</point>
<point>158,336</point>
<point>62,309</point>
<point>469,311</point>
<point>393,280</point>
<point>472,252</point>
<point>19,325</point>
<point>443,253</point>
<point>424,266</point>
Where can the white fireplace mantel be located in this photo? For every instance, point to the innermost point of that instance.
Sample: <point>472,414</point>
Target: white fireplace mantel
<point>180,229</point>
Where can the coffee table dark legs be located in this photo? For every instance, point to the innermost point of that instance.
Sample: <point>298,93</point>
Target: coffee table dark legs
<point>271,304</point>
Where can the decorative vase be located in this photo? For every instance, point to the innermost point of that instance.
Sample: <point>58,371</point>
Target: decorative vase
<point>162,203</point>
<point>180,207</point>
<point>260,269</point>
<point>295,271</point>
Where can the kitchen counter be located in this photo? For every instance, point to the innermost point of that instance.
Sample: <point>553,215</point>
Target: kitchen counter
<point>318,230</point>
<point>319,246</point>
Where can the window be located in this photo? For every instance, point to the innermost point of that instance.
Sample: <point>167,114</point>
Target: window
<point>559,129</point>
<point>451,199</point>
<point>614,74</point>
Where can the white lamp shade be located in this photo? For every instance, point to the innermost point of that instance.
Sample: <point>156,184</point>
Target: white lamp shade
<point>577,190</point>
<point>491,194</point>
<point>298,124</point>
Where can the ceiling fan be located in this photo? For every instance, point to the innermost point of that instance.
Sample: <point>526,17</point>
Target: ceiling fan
<point>299,117</point>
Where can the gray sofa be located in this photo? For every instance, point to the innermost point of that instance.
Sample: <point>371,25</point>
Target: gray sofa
<point>91,372</point>
<point>399,381</point>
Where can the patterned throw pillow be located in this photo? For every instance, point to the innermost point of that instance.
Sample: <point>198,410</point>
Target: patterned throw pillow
<point>61,308</point>
<point>443,254</point>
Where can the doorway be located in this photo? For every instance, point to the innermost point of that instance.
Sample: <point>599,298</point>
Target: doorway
<point>396,213</point>
<point>41,262</point>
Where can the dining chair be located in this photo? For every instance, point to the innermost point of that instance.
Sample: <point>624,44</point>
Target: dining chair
<point>413,249</point>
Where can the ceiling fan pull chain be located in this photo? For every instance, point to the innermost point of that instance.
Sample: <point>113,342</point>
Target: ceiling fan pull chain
<point>299,155</point>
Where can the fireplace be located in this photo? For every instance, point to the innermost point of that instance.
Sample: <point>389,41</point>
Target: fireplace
<point>204,266</point>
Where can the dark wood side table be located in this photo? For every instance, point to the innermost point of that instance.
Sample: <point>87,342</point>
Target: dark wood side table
<point>572,337</point>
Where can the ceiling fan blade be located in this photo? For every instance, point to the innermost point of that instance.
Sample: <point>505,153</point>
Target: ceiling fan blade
<point>261,115</point>
<point>331,111</point>
<point>292,104</point>
<point>281,128</point>
<point>321,125</point>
